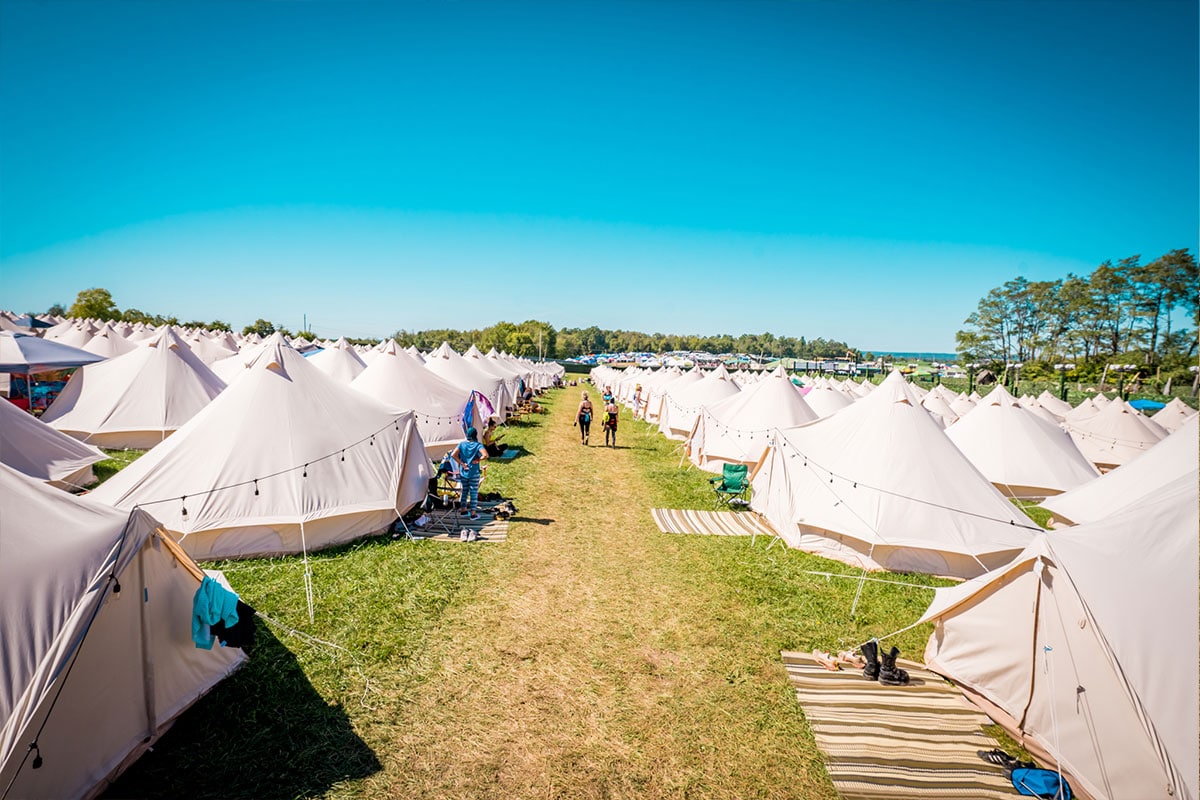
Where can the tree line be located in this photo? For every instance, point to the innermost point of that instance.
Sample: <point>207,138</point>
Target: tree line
<point>530,338</point>
<point>1123,311</point>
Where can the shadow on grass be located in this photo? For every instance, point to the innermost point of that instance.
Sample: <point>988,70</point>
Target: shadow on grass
<point>532,520</point>
<point>265,732</point>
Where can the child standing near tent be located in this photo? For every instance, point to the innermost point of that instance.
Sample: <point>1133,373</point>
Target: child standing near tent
<point>611,412</point>
<point>583,418</point>
<point>470,455</point>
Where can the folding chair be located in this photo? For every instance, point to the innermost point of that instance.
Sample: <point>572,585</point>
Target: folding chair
<point>732,484</point>
<point>443,499</point>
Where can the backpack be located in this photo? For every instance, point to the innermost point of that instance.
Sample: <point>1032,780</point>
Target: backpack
<point>1044,783</point>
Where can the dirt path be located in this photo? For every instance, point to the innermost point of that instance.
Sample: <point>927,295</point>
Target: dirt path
<point>595,661</point>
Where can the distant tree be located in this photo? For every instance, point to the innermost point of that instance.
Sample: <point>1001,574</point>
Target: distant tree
<point>57,310</point>
<point>218,325</point>
<point>261,326</point>
<point>96,303</point>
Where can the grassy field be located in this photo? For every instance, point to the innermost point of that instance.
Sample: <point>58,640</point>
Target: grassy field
<point>587,656</point>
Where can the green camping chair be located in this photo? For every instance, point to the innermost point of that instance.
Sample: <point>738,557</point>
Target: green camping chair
<point>733,483</point>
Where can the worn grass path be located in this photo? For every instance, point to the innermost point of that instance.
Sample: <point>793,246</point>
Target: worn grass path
<point>597,658</point>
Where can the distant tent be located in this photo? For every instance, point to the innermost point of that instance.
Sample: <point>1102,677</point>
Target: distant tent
<point>108,343</point>
<point>879,485</point>
<point>397,379</point>
<point>92,676</point>
<point>1130,483</point>
<point>737,429</point>
<point>1174,414</point>
<point>33,448</point>
<point>138,399</point>
<point>1084,647</point>
<point>1022,454</point>
<point>339,361</point>
<point>468,375</point>
<point>1115,434</point>
<point>825,400</point>
<point>682,406</point>
<point>285,460</point>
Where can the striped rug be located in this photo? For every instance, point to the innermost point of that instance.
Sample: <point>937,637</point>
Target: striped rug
<point>487,527</point>
<point>713,523</point>
<point>915,741</point>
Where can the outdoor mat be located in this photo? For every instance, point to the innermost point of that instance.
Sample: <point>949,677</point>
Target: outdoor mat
<point>915,741</point>
<point>712,523</point>
<point>488,528</point>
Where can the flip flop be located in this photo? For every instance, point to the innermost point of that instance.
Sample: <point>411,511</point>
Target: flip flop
<point>851,658</point>
<point>825,660</point>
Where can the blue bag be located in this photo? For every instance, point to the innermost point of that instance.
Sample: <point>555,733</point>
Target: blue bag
<point>1044,783</point>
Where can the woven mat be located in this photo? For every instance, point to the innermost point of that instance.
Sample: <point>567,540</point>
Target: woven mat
<point>712,523</point>
<point>445,526</point>
<point>915,741</point>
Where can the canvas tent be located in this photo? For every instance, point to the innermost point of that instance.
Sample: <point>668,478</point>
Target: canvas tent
<point>1115,434</point>
<point>1021,453</point>
<point>33,448</point>
<point>339,361</point>
<point>93,676</point>
<point>1130,483</point>
<point>397,379</point>
<point>1085,647</point>
<point>138,399</point>
<point>20,352</point>
<point>1174,414</point>
<point>682,405</point>
<point>736,430</point>
<point>285,460</point>
<point>878,485</point>
<point>453,368</point>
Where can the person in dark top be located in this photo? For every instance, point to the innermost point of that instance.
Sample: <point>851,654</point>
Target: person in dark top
<point>491,439</point>
<point>583,418</point>
<point>611,412</point>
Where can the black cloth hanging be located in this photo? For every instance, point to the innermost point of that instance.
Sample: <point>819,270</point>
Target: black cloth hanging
<point>241,634</point>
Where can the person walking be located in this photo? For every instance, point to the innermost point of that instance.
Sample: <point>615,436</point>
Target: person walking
<point>470,455</point>
<point>611,412</point>
<point>583,418</point>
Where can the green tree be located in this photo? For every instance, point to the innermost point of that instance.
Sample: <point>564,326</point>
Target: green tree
<point>57,310</point>
<point>261,326</point>
<point>96,303</point>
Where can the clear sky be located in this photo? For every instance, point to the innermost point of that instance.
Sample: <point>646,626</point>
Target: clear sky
<point>863,171</point>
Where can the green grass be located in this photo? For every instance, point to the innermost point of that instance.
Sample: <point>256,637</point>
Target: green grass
<point>668,647</point>
<point>1035,512</point>
<point>117,460</point>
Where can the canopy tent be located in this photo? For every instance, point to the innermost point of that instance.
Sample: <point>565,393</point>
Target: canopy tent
<point>32,447</point>
<point>339,361</point>
<point>285,460</point>
<point>1021,453</point>
<point>138,399</point>
<point>737,429</point>
<point>1085,646</point>
<point>397,379</point>
<point>1129,484</point>
<point>92,676</point>
<point>825,400</point>
<point>656,395</point>
<point>878,485</point>
<point>27,354</point>
<point>1115,434</point>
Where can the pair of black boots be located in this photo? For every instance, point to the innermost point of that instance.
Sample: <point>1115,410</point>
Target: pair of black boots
<point>881,666</point>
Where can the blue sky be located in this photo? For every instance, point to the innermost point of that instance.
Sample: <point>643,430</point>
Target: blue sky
<point>861,171</point>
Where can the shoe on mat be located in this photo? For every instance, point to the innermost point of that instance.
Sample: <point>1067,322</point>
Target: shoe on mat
<point>870,651</point>
<point>462,535</point>
<point>889,673</point>
<point>473,517</point>
<point>472,536</point>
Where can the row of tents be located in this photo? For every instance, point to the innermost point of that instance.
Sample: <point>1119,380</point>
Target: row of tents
<point>1083,640</point>
<point>269,453</point>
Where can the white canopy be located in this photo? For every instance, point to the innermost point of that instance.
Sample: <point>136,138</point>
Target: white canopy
<point>1172,416</point>
<point>1018,451</point>
<point>104,673</point>
<point>879,485</point>
<point>1085,647</point>
<point>453,368</point>
<point>286,459</point>
<point>138,399</point>
<point>683,403</point>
